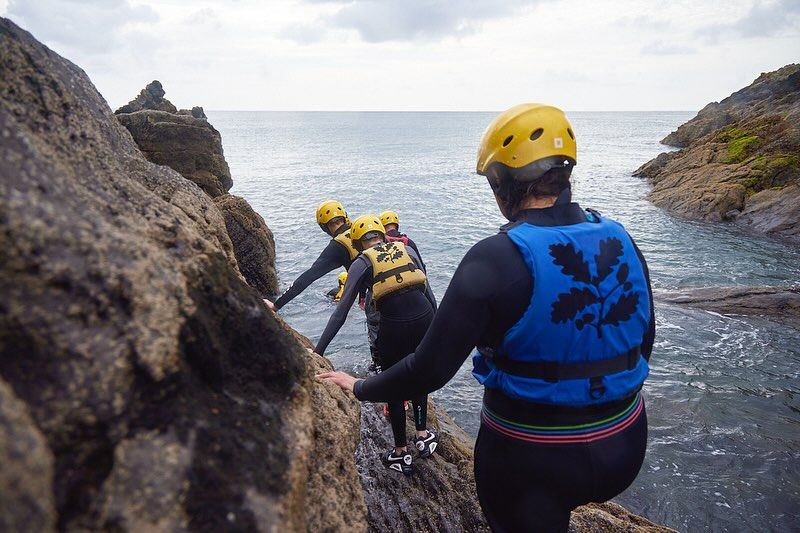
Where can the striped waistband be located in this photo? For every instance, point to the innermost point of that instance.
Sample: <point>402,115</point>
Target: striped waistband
<point>582,433</point>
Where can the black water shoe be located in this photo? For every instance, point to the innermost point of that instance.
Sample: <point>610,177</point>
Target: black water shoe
<point>426,445</point>
<point>399,463</point>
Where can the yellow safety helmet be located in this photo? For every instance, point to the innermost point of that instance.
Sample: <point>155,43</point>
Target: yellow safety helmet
<point>528,139</point>
<point>342,278</point>
<point>390,217</point>
<point>365,224</point>
<point>328,210</point>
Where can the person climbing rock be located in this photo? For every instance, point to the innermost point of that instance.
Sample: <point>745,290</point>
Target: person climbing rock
<point>391,222</point>
<point>333,220</point>
<point>396,283</point>
<point>336,293</point>
<point>560,307</point>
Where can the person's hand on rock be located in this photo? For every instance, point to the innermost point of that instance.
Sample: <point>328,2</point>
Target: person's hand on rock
<point>345,381</point>
<point>270,305</point>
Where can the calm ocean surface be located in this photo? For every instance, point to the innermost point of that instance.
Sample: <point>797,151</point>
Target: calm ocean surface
<point>723,397</point>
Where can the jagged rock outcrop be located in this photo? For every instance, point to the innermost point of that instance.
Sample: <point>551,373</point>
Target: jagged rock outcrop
<point>184,141</point>
<point>740,161</point>
<point>253,243</point>
<point>151,97</point>
<point>187,142</point>
<point>777,303</point>
<point>167,395</point>
<point>771,92</point>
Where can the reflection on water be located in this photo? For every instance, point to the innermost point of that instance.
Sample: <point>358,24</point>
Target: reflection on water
<point>723,397</point>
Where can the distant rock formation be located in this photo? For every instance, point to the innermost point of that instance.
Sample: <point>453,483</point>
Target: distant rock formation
<point>778,303</point>
<point>144,386</point>
<point>253,243</point>
<point>740,161</point>
<point>151,97</point>
<point>184,141</point>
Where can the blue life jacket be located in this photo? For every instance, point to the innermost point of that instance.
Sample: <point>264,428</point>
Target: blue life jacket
<point>579,341</point>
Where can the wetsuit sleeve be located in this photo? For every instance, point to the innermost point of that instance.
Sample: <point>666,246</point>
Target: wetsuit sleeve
<point>333,256</point>
<point>413,245</point>
<point>456,329</point>
<point>428,291</point>
<point>355,276</point>
<point>650,334</point>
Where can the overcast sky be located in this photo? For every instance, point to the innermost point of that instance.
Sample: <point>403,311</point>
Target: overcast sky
<point>417,55</point>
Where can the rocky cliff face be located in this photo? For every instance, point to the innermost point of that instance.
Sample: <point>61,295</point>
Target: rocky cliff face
<point>253,243</point>
<point>740,160</point>
<point>144,386</point>
<point>142,374</point>
<point>185,141</point>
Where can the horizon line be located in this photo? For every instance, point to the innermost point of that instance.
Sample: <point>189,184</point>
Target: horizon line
<point>437,111</point>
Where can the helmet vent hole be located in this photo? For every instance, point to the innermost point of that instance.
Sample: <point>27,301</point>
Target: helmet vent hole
<point>508,140</point>
<point>536,134</point>
<point>571,135</point>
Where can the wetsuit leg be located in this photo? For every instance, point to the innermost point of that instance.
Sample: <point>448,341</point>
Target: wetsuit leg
<point>420,406</point>
<point>397,338</point>
<point>397,417</point>
<point>525,486</point>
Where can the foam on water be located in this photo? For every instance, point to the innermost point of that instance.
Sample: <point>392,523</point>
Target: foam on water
<point>723,397</point>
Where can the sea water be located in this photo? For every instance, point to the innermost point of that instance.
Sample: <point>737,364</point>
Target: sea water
<point>723,397</point>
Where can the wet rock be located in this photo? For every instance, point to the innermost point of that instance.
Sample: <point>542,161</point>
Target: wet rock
<point>151,97</point>
<point>26,477</point>
<point>777,303</point>
<point>611,518</point>
<point>399,503</point>
<point>185,143</point>
<point>740,159</point>
<point>253,243</point>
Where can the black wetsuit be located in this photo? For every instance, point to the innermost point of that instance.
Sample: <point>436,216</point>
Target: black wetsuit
<point>332,257</point>
<point>521,485</point>
<point>404,319</point>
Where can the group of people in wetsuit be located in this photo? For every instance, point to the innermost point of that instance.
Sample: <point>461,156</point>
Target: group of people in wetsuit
<point>558,305</point>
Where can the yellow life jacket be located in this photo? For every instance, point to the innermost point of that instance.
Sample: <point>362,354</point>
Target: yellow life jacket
<point>342,279</point>
<point>344,239</point>
<point>392,269</point>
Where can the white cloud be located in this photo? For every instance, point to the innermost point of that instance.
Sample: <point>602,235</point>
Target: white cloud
<point>450,55</point>
<point>660,48</point>
<point>91,27</point>
<point>764,19</point>
<point>389,20</point>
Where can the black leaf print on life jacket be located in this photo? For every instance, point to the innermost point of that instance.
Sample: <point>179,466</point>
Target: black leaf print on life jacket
<point>388,252</point>
<point>571,304</point>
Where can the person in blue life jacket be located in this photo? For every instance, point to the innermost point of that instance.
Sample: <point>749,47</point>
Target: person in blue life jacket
<point>560,307</point>
<point>332,219</point>
<point>396,283</point>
